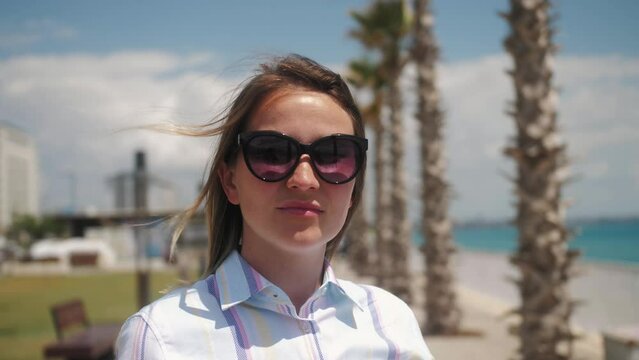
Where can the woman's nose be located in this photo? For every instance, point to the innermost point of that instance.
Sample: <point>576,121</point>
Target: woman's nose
<point>303,176</point>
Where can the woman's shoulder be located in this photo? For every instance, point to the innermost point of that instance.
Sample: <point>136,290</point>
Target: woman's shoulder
<point>370,295</point>
<point>390,316</point>
<point>177,312</point>
<point>180,302</point>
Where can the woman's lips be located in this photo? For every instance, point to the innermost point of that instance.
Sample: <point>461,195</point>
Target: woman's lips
<point>300,208</point>
<point>300,211</point>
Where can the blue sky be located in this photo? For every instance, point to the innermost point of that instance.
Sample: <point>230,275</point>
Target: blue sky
<point>235,29</point>
<point>71,72</point>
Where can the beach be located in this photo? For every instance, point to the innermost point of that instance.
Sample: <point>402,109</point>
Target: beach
<point>609,293</point>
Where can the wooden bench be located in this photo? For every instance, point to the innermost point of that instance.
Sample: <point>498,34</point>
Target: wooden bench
<point>77,338</point>
<point>83,259</point>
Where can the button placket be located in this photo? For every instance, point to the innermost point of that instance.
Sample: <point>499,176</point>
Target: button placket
<point>305,326</point>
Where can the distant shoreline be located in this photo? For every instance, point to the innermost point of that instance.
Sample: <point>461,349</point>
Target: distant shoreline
<point>476,223</point>
<point>581,261</point>
<point>605,242</point>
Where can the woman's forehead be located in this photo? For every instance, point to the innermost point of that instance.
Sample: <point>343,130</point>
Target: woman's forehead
<point>302,114</point>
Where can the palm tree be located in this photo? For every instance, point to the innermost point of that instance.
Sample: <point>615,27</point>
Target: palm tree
<point>443,315</point>
<point>358,252</point>
<point>383,28</point>
<point>542,257</point>
<point>365,74</point>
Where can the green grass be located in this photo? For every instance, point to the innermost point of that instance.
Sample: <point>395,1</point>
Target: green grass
<point>25,320</point>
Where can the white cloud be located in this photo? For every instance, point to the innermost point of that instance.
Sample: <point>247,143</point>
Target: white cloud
<point>596,70</point>
<point>16,40</point>
<point>50,27</point>
<point>74,104</point>
<point>37,30</point>
<point>598,119</point>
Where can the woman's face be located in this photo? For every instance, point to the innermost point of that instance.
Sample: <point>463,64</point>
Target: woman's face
<point>302,212</point>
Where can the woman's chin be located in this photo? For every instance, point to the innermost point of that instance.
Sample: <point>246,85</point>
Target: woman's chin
<point>307,239</point>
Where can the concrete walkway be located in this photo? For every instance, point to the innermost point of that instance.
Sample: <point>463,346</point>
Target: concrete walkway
<point>483,314</point>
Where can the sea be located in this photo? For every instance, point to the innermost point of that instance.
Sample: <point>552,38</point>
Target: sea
<point>604,241</point>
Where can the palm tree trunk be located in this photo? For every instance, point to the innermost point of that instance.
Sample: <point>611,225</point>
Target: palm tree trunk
<point>442,311</point>
<point>542,257</point>
<point>384,231</point>
<point>382,27</point>
<point>399,251</point>
<point>358,247</point>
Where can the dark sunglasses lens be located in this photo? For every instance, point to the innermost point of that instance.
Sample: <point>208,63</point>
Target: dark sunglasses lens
<point>270,157</point>
<point>337,160</point>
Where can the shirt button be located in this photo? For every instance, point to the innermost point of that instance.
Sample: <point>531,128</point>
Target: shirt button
<point>306,327</point>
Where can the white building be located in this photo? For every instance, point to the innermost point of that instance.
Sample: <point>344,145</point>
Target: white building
<point>19,175</point>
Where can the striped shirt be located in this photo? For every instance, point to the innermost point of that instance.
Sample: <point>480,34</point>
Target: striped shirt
<point>238,314</point>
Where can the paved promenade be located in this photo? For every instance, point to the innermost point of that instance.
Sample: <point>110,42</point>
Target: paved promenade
<point>483,313</point>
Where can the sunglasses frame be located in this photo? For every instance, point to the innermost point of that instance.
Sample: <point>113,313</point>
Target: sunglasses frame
<point>243,139</point>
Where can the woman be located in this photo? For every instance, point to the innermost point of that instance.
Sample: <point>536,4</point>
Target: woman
<point>284,183</point>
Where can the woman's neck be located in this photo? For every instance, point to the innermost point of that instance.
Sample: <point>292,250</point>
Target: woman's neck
<point>298,274</point>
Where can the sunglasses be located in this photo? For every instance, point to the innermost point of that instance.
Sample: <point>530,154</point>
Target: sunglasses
<point>273,156</point>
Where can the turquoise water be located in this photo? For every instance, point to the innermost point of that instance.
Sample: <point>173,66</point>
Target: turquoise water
<point>609,241</point>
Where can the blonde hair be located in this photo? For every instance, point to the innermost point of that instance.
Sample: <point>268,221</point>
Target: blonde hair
<point>224,220</point>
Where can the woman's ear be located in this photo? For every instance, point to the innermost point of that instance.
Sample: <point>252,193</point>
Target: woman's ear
<point>226,174</point>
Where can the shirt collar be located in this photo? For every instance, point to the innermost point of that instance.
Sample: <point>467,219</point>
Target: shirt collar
<point>331,280</point>
<point>236,281</point>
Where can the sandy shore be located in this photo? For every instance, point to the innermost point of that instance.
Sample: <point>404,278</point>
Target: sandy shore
<point>609,292</point>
